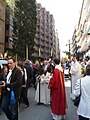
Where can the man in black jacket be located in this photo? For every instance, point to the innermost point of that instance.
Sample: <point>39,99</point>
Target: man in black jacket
<point>29,71</point>
<point>14,78</point>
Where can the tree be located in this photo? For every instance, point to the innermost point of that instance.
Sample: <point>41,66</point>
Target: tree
<point>24,27</point>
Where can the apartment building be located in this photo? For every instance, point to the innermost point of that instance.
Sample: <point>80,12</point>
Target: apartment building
<point>46,42</point>
<point>2,26</point>
<point>45,39</point>
<point>9,24</point>
<point>6,25</point>
<point>73,45</point>
<point>82,34</point>
<point>57,45</point>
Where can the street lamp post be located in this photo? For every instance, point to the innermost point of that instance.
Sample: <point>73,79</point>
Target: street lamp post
<point>39,52</point>
<point>69,54</point>
<point>26,52</point>
<point>51,54</point>
<point>38,78</point>
<point>16,59</point>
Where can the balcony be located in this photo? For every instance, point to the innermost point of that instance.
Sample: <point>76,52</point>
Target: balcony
<point>47,51</point>
<point>36,41</point>
<point>35,54</point>
<point>9,33</point>
<point>37,36</point>
<point>42,49</point>
<point>46,39</point>
<point>8,21</point>
<point>36,48</point>
<point>41,37</point>
<point>84,46</point>
<point>42,44</point>
<point>42,31</point>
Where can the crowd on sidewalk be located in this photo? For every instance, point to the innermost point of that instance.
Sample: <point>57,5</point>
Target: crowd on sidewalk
<point>47,78</point>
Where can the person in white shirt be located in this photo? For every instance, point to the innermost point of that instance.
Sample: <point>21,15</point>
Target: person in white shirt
<point>83,110</point>
<point>14,79</point>
<point>44,91</point>
<point>75,74</point>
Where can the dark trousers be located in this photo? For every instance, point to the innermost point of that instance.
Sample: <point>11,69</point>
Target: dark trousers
<point>24,95</point>
<point>6,107</point>
<point>82,118</point>
<point>1,100</point>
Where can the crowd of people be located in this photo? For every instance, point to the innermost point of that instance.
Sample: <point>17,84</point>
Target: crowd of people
<point>47,78</point>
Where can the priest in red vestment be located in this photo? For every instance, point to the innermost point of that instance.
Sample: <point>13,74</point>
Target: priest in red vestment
<point>58,94</point>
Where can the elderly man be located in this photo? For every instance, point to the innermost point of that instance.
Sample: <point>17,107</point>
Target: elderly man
<point>14,78</point>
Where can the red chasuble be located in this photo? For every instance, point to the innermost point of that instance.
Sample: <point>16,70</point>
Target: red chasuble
<point>58,95</point>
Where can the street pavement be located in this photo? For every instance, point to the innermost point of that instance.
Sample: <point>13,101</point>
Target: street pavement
<point>41,112</point>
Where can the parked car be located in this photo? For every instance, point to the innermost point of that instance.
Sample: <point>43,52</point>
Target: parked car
<point>3,62</point>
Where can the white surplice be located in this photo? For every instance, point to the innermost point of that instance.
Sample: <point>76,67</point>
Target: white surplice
<point>44,91</point>
<point>75,74</point>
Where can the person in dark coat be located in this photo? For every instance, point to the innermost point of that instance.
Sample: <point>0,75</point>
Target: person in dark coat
<point>23,96</point>
<point>14,78</point>
<point>0,89</point>
<point>35,73</point>
<point>3,74</point>
<point>28,68</point>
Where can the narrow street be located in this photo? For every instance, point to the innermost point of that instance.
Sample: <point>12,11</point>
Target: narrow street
<point>41,112</point>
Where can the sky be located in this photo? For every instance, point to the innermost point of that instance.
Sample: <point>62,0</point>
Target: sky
<point>66,15</point>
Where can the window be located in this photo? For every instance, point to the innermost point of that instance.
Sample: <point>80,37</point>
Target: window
<point>6,39</point>
<point>0,12</point>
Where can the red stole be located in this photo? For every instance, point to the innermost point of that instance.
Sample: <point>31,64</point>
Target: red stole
<point>58,94</point>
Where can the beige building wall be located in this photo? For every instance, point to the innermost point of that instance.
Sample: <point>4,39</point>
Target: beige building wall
<point>2,25</point>
<point>85,21</point>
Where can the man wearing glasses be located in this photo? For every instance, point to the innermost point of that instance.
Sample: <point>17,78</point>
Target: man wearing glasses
<point>14,78</point>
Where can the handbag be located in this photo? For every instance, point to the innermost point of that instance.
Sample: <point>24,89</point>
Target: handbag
<point>76,101</point>
<point>13,103</point>
<point>12,96</point>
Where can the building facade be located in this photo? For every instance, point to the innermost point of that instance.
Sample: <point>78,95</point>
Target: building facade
<point>45,39</point>
<point>6,25</point>
<point>82,34</point>
<point>9,24</point>
<point>46,42</point>
<point>57,45</point>
<point>2,26</point>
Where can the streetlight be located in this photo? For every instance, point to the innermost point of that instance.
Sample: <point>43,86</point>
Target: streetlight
<point>51,53</point>
<point>39,52</point>
<point>69,53</point>
<point>26,52</point>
